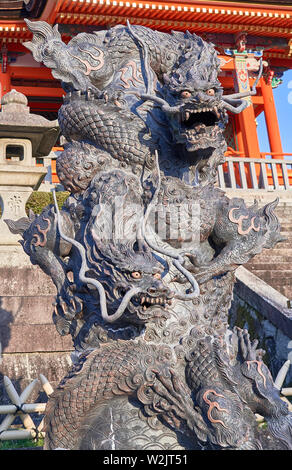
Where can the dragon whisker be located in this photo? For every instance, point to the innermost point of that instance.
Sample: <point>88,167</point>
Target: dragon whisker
<point>87,280</point>
<point>164,105</point>
<point>236,110</point>
<point>247,93</point>
<point>178,259</point>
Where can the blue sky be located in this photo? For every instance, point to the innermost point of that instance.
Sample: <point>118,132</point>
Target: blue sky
<point>282,94</point>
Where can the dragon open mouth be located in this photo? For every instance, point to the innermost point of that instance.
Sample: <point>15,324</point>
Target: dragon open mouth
<point>198,128</point>
<point>144,307</point>
<point>205,116</point>
<point>145,301</point>
<point>149,301</point>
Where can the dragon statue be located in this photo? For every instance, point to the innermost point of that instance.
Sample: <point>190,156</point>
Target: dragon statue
<point>144,250</point>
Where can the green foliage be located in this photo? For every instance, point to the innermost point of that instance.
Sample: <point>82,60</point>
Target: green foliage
<point>38,200</point>
<point>21,444</point>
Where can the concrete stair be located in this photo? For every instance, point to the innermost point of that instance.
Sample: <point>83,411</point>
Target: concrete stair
<point>30,343</point>
<point>26,297</point>
<point>274,266</point>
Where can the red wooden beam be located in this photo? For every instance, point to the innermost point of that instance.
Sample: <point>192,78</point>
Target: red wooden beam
<point>42,73</point>
<point>40,91</point>
<point>42,106</point>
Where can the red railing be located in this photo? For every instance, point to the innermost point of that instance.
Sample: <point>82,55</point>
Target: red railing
<point>55,178</point>
<point>255,170</point>
<point>252,168</point>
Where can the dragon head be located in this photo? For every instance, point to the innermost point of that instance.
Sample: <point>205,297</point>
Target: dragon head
<point>135,268</point>
<point>191,97</point>
<point>121,276</point>
<point>194,95</point>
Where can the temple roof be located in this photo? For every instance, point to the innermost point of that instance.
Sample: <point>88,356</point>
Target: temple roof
<point>270,21</point>
<point>16,9</point>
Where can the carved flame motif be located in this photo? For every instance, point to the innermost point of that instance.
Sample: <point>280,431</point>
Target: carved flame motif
<point>214,404</point>
<point>239,222</point>
<point>90,68</point>
<point>132,68</point>
<point>43,232</point>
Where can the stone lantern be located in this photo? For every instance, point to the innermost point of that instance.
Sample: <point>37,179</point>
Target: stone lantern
<point>23,137</point>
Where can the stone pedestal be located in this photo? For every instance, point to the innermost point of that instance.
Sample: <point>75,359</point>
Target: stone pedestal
<point>16,185</point>
<point>23,136</point>
<point>29,342</point>
<point>13,200</point>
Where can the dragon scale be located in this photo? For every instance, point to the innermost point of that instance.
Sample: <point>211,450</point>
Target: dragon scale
<point>144,250</point>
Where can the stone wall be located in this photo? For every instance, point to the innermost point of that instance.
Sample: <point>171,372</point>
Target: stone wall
<point>264,312</point>
<point>29,341</point>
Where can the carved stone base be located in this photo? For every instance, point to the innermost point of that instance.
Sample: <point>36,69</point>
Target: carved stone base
<point>12,200</point>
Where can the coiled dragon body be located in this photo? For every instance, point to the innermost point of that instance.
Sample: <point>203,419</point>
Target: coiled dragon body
<point>143,117</point>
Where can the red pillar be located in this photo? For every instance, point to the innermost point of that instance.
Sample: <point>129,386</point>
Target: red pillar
<point>239,136</point>
<point>248,137</point>
<point>271,120</point>
<point>247,122</point>
<point>5,82</point>
<point>247,119</point>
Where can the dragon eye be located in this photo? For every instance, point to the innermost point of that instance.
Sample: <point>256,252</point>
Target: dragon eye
<point>136,274</point>
<point>185,94</point>
<point>210,92</point>
<point>157,276</point>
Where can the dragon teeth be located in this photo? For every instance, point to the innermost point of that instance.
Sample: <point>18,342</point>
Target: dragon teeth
<point>202,110</point>
<point>152,300</point>
<point>217,112</point>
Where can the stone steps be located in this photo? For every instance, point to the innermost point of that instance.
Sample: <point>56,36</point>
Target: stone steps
<point>265,265</point>
<point>286,227</point>
<point>286,232</point>
<point>274,266</point>
<point>285,289</point>
<point>285,244</point>
<point>281,275</point>
<point>275,252</point>
<point>25,281</point>
<point>30,343</point>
